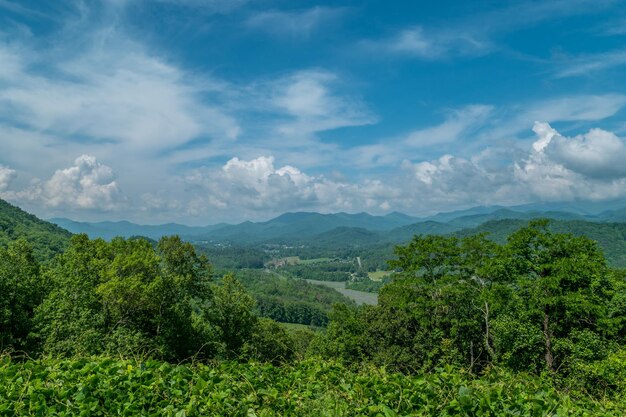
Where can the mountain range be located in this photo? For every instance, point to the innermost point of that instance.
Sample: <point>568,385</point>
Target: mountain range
<point>306,227</point>
<point>327,231</point>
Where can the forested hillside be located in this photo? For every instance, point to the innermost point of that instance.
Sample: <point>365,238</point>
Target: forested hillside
<point>46,239</point>
<point>610,236</point>
<point>534,325</point>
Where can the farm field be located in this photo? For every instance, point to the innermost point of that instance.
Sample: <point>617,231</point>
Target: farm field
<point>359,297</point>
<point>313,260</point>
<point>378,275</point>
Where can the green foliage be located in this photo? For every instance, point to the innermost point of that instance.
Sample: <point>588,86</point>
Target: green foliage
<point>232,258</point>
<point>272,342</point>
<point>611,237</point>
<point>20,292</point>
<point>531,326</point>
<point>290,300</point>
<point>45,238</point>
<point>126,297</point>
<point>232,314</point>
<point>544,301</point>
<point>101,387</point>
<point>333,270</point>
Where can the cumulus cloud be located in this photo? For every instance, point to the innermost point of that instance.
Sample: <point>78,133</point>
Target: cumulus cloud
<point>6,176</point>
<point>597,154</point>
<point>86,185</point>
<point>555,168</point>
<point>257,187</point>
<point>588,166</point>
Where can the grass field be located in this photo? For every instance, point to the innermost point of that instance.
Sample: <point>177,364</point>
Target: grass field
<point>313,261</point>
<point>378,275</point>
<point>296,326</point>
<point>359,297</point>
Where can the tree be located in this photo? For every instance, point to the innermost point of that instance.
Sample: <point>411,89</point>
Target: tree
<point>563,285</point>
<point>21,290</point>
<point>71,320</point>
<point>232,312</point>
<point>431,257</point>
<point>125,297</point>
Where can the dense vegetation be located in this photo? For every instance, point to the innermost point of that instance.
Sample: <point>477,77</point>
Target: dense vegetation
<point>327,270</point>
<point>104,387</point>
<point>541,303</point>
<point>45,238</point>
<point>290,300</point>
<point>125,298</point>
<point>531,326</point>
<point>229,258</point>
<point>611,237</point>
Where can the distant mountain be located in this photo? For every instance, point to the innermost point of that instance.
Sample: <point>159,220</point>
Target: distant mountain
<point>612,215</point>
<point>585,208</point>
<point>610,236</point>
<point>405,233</point>
<point>47,239</point>
<point>445,217</point>
<point>109,230</point>
<point>346,237</point>
<point>297,226</point>
<point>285,226</point>
<point>343,229</point>
<point>503,213</point>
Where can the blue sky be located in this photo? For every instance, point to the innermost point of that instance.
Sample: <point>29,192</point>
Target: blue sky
<point>199,111</point>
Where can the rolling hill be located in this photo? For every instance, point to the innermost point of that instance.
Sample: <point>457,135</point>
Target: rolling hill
<point>285,226</point>
<point>46,238</point>
<point>109,230</point>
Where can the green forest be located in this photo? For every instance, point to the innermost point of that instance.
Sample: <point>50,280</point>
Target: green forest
<point>531,325</point>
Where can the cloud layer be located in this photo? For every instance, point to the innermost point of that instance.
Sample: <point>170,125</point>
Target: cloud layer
<point>6,176</point>
<point>86,185</point>
<point>194,115</point>
<point>555,168</point>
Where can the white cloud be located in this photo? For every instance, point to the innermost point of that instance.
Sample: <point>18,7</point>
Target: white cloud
<point>575,108</point>
<point>159,203</point>
<point>417,42</point>
<point>452,181</point>
<point>6,176</point>
<point>256,187</point>
<point>117,94</point>
<point>556,168</point>
<point>86,185</point>
<point>295,24</point>
<point>588,64</point>
<point>457,123</point>
<point>208,6</point>
<point>308,98</point>
<point>476,34</point>
<point>597,154</point>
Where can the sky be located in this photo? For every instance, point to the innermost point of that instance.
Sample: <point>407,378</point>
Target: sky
<point>203,111</point>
